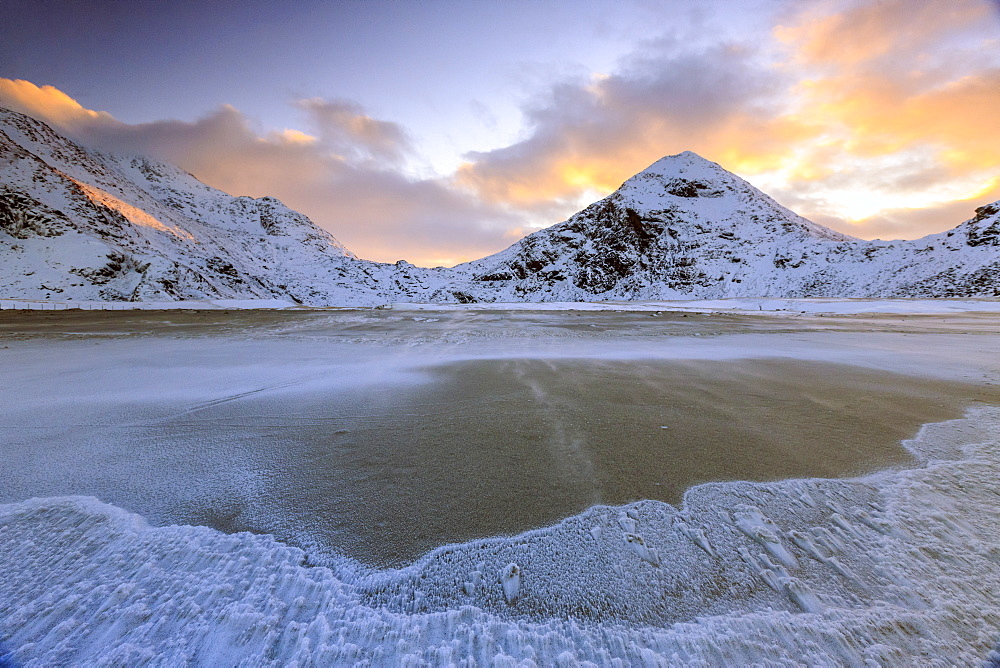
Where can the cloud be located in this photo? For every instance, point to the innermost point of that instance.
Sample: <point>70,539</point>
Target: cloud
<point>344,173</point>
<point>894,74</point>
<point>910,223</point>
<point>345,127</point>
<point>47,102</point>
<point>854,109</point>
<point>856,32</point>
<point>592,135</point>
<point>875,117</point>
<point>903,98</point>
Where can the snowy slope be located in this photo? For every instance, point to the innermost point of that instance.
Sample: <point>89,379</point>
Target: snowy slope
<point>686,228</point>
<point>84,226</point>
<point>80,225</point>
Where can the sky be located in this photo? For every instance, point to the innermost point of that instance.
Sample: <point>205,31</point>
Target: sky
<point>440,131</point>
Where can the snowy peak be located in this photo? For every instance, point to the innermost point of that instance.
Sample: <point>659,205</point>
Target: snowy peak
<point>689,183</point>
<point>685,175</point>
<point>684,227</point>
<point>686,166</point>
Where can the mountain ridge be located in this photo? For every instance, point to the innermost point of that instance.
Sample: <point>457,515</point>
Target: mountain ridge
<point>685,228</point>
<point>84,225</point>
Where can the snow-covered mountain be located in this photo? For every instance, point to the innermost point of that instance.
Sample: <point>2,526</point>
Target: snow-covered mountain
<point>82,225</point>
<point>78,224</point>
<point>687,228</point>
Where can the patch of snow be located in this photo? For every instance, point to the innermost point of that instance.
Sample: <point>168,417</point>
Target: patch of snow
<point>204,304</point>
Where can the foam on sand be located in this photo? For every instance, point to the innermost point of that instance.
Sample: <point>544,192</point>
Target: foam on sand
<point>894,567</point>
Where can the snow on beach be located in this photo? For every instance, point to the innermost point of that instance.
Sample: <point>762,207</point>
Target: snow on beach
<point>52,305</point>
<point>734,305</point>
<point>882,569</point>
<point>895,567</point>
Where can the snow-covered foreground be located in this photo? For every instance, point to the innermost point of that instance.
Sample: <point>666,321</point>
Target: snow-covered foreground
<point>897,567</point>
<point>893,568</point>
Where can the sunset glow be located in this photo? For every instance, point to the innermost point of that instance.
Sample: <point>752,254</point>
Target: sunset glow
<point>130,213</point>
<point>876,118</point>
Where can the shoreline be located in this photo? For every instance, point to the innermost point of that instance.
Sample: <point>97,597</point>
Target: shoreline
<point>907,605</point>
<point>890,566</point>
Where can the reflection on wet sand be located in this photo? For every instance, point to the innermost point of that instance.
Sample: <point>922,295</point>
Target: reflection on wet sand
<point>492,447</point>
<point>383,434</point>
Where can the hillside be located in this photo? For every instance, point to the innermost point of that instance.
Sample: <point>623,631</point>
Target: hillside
<point>76,224</point>
<point>80,225</point>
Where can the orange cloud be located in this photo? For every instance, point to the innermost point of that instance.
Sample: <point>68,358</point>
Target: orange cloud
<point>344,175</point>
<point>851,33</point>
<point>866,106</point>
<point>47,102</point>
<point>296,137</point>
<point>588,138</point>
<point>903,97</point>
<point>914,222</point>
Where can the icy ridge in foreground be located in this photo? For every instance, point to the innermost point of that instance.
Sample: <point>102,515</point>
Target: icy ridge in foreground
<point>885,568</point>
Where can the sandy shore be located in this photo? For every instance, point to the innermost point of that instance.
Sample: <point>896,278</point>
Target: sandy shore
<point>381,435</point>
<point>499,447</point>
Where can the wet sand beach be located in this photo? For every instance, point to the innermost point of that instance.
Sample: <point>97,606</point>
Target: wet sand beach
<point>490,433</point>
<point>497,447</point>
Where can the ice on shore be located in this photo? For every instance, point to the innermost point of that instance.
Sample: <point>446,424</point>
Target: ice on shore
<point>746,305</point>
<point>892,568</point>
<point>749,305</point>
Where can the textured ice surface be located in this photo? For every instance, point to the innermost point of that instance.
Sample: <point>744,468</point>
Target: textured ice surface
<point>899,567</point>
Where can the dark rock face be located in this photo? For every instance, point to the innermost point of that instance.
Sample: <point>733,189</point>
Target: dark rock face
<point>606,243</point>
<point>981,232</point>
<point>691,188</point>
<point>118,264</point>
<point>22,217</point>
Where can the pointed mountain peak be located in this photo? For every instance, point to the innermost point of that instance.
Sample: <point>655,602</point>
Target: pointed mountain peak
<point>685,175</point>
<point>686,164</point>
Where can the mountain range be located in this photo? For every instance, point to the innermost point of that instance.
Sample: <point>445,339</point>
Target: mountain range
<point>77,224</point>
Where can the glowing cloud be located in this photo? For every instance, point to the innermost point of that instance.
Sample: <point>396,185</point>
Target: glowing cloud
<point>344,174</point>
<point>47,102</point>
<point>854,110</point>
<point>875,117</point>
